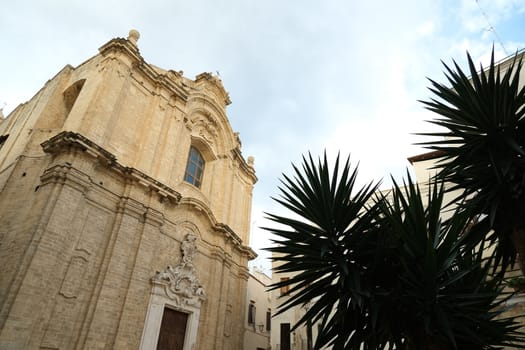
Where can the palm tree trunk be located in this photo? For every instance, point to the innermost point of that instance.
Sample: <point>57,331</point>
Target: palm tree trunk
<point>518,239</point>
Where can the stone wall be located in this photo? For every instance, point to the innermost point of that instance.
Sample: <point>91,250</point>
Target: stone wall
<point>93,205</point>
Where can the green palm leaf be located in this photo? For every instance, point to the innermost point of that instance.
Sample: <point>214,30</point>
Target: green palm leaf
<point>483,153</point>
<point>364,259</point>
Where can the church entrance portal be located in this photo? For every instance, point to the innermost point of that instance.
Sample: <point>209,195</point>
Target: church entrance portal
<point>172,330</point>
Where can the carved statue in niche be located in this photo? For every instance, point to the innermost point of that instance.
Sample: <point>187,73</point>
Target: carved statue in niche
<point>188,248</point>
<point>181,283</point>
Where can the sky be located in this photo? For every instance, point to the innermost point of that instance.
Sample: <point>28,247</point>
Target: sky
<point>303,76</point>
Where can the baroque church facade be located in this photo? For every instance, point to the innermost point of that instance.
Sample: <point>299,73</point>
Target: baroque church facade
<point>125,210</point>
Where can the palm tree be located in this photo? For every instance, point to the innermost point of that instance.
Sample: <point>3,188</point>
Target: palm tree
<point>483,150</point>
<point>324,248</point>
<point>444,291</point>
<point>383,274</point>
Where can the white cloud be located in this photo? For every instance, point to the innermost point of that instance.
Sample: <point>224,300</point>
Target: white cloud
<point>426,29</point>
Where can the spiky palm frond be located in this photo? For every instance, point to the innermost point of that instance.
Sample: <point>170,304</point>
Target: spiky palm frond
<point>384,273</point>
<point>324,250</point>
<point>445,293</point>
<point>483,150</point>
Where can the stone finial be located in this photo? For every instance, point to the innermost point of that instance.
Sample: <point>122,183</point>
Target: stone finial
<point>133,36</point>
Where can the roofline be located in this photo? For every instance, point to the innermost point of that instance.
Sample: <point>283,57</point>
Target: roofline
<point>425,156</point>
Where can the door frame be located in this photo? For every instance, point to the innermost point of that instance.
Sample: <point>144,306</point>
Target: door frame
<point>158,301</point>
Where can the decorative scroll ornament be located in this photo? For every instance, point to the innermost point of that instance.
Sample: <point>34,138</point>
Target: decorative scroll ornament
<point>205,127</point>
<point>181,283</point>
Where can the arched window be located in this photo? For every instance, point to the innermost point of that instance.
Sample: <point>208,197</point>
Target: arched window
<point>71,94</point>
<point>194,168</point>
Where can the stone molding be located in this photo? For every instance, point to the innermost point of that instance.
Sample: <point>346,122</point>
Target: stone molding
<point>65,173</point>
<point>121,45</point>
<point>171,81</point>
<point>215,84</point>
<point>230,235</point>
<point>247,168</point>
<point>71,140</point>
<point>68,141</point>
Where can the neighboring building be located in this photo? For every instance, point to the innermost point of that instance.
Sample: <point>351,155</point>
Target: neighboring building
<point>282,337</point>
<point>424,168</point>
<point>258,316</point>
<point>124,211</point>
<point>423,165</point>
<point>424,171</point>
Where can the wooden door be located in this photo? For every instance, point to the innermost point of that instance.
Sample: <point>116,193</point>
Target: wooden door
<point>285,336</point>
<point>172,330</point>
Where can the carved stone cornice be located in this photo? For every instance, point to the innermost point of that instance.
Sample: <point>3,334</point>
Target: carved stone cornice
<point>199,206</point>
<point>228,234</point>
<point>65,173</point>
<point>171,81</point>
<point>226,231</point>
<point>248,252</point>
<point>67,141</point>
<point>231,236</point>
<point>215,84</point>
<point>247,169</point>
<point>121,45</point>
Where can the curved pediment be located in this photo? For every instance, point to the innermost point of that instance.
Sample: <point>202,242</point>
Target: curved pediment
<point>213,86</point>
<point>208,121</point>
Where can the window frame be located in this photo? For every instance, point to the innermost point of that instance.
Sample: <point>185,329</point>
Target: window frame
<point>195,166</point>
<point>252,311</point>
<point>284,289</point>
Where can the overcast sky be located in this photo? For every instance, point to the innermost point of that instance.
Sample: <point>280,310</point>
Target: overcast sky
<point>302,75</point>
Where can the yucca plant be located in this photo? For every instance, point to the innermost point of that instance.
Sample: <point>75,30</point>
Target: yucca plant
<point>483,148</point>
<point>445,291</point>
<point>324,248</point>
<point>383,273</point>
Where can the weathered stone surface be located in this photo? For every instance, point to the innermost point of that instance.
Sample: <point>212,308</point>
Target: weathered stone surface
<point>93,205</point>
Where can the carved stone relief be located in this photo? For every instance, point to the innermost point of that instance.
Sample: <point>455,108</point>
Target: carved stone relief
<point>177,288</point>
<point>181,283</point>
<point>205,127</point>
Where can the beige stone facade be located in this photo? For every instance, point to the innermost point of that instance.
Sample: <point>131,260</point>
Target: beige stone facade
<point>96,218</point>
<point>257,319</point>
<point>281,335</point>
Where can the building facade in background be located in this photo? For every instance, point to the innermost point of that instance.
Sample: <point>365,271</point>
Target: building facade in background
<point>282,336</point>
<point>258,317</point>
<point>125,208</point>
